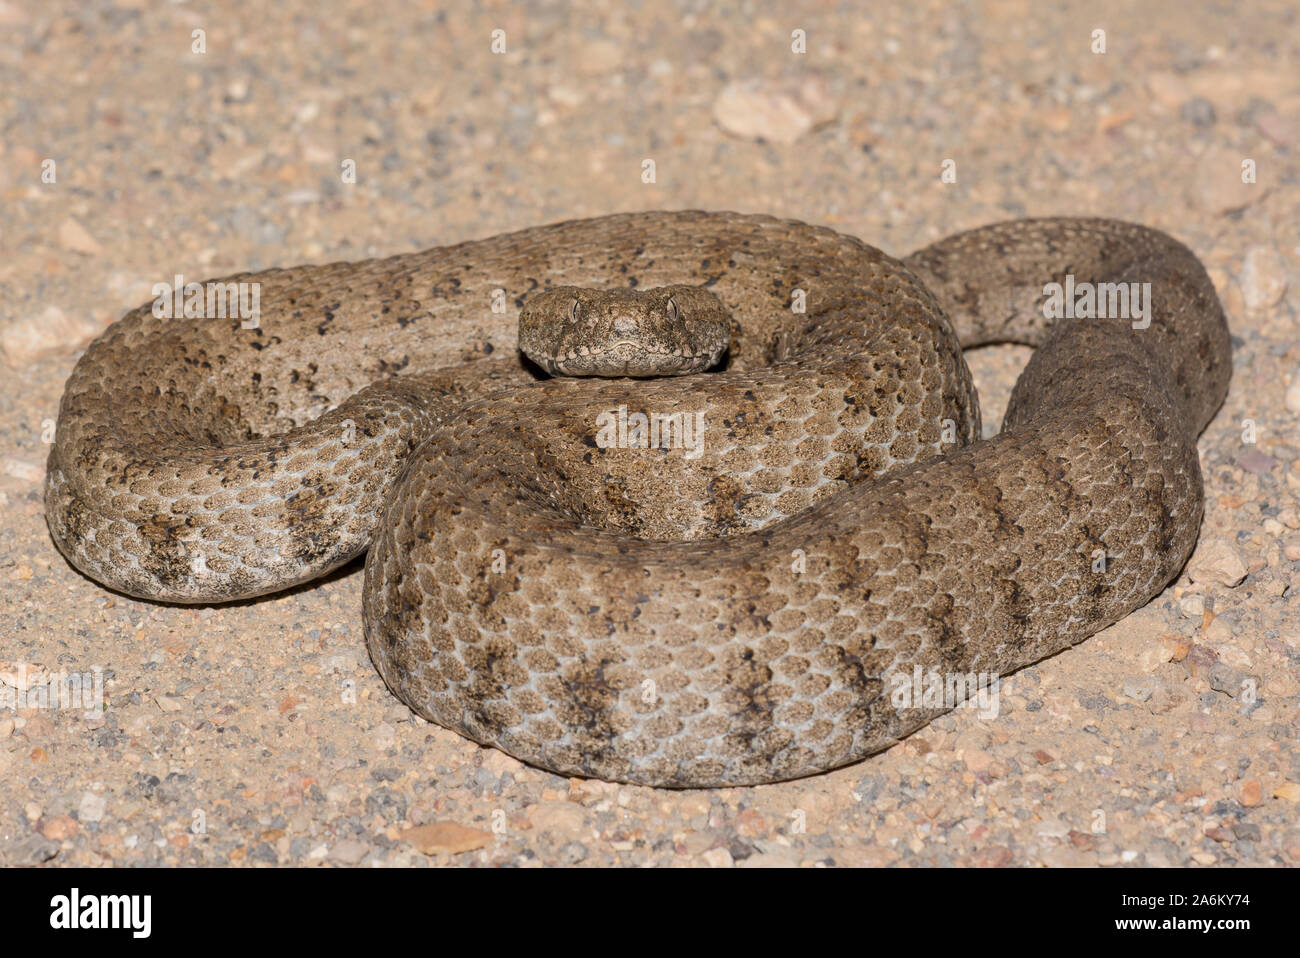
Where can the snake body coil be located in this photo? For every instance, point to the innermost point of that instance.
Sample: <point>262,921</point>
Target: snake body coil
<point>715,579</point>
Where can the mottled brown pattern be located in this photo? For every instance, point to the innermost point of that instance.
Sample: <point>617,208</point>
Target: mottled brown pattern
<point>646,614</point>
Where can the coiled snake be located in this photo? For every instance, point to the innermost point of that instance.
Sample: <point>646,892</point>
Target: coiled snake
<point>709,579</point>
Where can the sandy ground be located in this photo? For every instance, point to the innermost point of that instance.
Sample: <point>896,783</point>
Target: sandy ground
<point>260,733</point>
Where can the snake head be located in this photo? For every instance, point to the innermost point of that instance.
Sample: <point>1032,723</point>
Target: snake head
<point>666,331</point>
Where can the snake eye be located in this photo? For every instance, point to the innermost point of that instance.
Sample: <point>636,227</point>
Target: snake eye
<point>671,309</point>
<point>574,311</point>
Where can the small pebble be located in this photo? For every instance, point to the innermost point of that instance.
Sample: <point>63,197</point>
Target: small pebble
<point>51,333</point>
<point>60,827</point>
<point>1293,395</point>
<point>1256,462</point>
<point>446,837</point>
<point>1139,689</point>
<point>1281,129</point>
<point>1217,560</point>
<point>92,807</point>
<point>73,236</point>
<point>1263,277</point>
<point>1198,111</point>
<point>778,111</point>
<point>348,852</point>
<point>1217,184</point>
<point>718,858</point>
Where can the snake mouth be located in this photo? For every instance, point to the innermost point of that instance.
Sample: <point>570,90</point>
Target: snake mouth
<point>627,358</point>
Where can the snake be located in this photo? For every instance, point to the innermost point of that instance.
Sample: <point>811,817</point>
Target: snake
<point>673,498</point>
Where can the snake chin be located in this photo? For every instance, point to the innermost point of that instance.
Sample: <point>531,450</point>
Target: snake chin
<point>634,360</point>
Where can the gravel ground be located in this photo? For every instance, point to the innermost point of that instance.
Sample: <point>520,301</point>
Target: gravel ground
<point>134,148</point>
